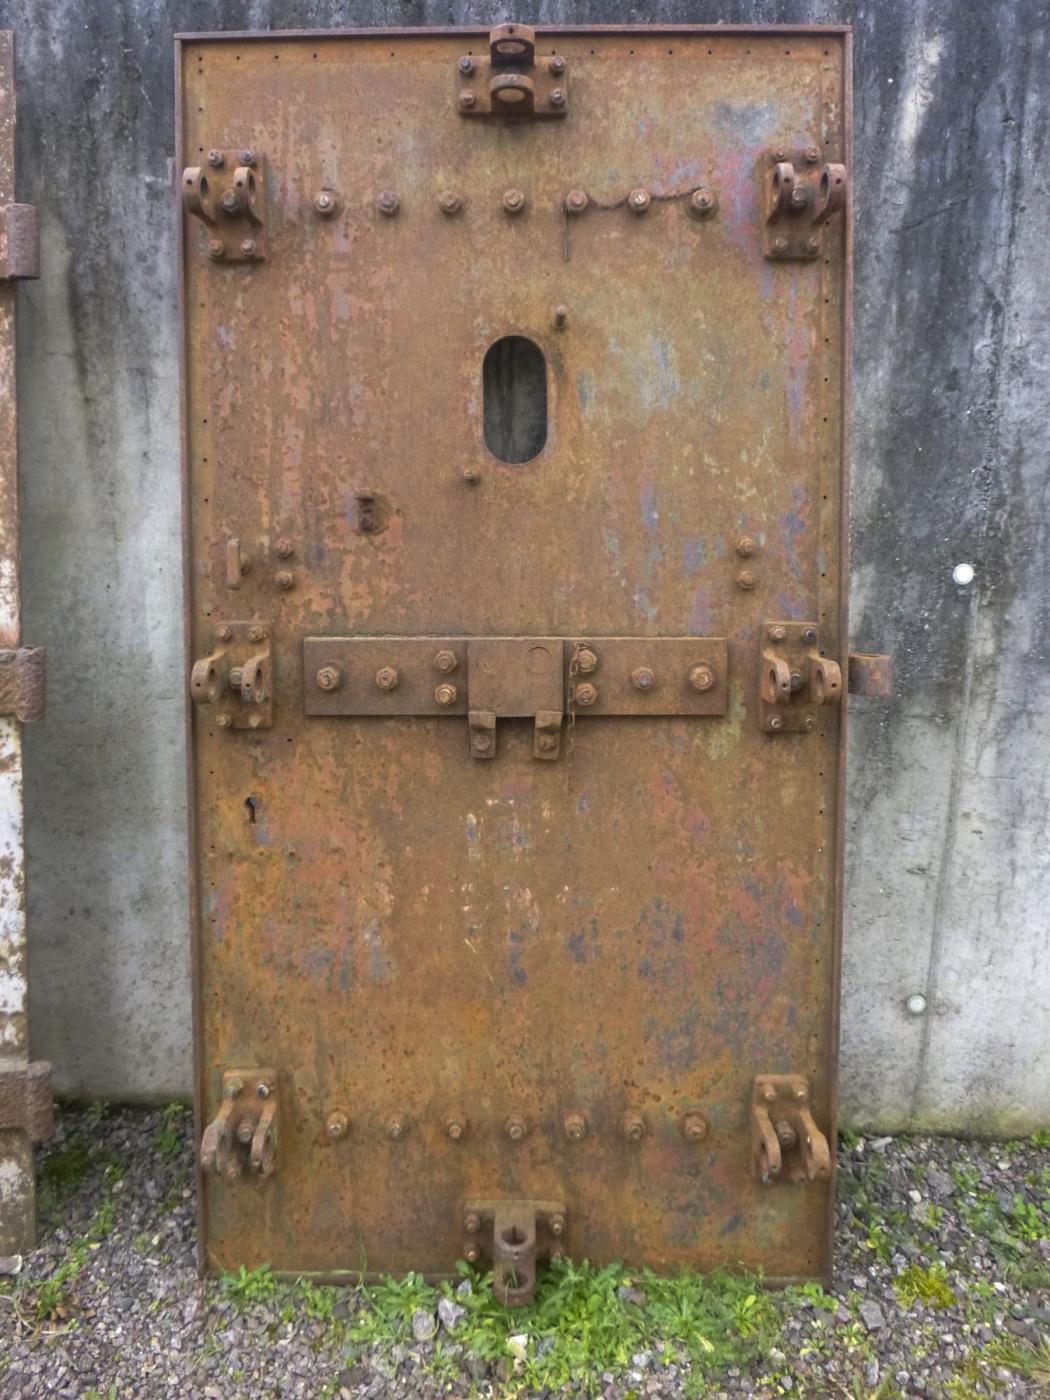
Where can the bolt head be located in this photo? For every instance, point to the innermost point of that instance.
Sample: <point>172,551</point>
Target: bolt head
<point>387,202</point>
<point>809,722</point>
<point>639,200</point>
<point>798,197</point>
<point>471,476</point>
<point>786,1135</point>
<point>800,1094</point>
<point>810,634</point>
<point>916,1004</point>
<point>575,1127</point>
<point>776,634</point>
<point>284,580</point>
<point>232,1088</point>
<point>775,722</point>
<point>247,157</point>
<point>694,1127</point>
<point>586,661</point>
<point>223,721</point>
<point>769,1092</point>
<point>472,1222</point>
<point>780,245</point>
<point>255,722</point>
<point>284,549</point>
<point>701,204</point>
<point>256,633</point>
<point>395,1127</point>
<point>586,694</point>
<point>746,580</point>
<point>326,204</point>
<point>454,1127</point>
<point>483,742</point>
<point>643,678</point>
<point>576,201</point>
<point>387,677</point>
<point>633,1127</point>
<point>557,97</point>
<point>247,246</point>
<point>451,202</point>
<point>515,1127</point>
<point>472,1254</point>
<point>467,99</point>
<point>466,64</point>
<point>559,316</point>
<point>216,249</point>
<point>263,1090</point>
<point>557,64</point>
<point>557,1226</point>
<point>514,201</point>
<point>745,546</point>
<point>336,1125</point>
<point>547,743</point>
<point>216,160</point>
<point>701,678</point>
<point>224,633</point>
<point>812,155</point>
<point>446,661</point>
<point>329,678</point>
<point>446,694</point>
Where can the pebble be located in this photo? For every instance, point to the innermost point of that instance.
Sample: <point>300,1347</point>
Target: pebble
<point>450,1313</point>
<point>424,1325</point>
<point>872,1315</point>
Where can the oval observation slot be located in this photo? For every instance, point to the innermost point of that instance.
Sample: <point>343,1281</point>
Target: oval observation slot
<point>514,378</point>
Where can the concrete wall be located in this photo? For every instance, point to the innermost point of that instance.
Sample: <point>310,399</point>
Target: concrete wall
<point>949,861</point>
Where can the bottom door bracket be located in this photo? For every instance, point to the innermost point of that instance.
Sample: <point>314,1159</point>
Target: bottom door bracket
<point>513,1235</point>
<point>245,1127</point>
<point>786,1144</point>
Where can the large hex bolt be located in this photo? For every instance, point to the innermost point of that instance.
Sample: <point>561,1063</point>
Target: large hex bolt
<point>326,204</point>
<point>586,661</point>
<point>446,694</point>
<point>336,1125</point>
<point>387,677</point>
<point>329,678</point>
<point>633,1127</point>
<point>575,1125</point>
<point>643,678</point>
<point>701,204</point>
<point>446,661</point>
<point>701,678</point>
<point>586,694</point>
<point>455,1126</point>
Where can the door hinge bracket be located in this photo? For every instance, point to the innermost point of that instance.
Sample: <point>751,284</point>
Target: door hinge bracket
<point>227,196</point>
<point>25,1100</point>
<point>801,194</point>
<point>23,683</point>
<point>19,243</point>
<point>786,1144</point>
<point>513,1235</point>
<point>794,678</point>
<point>244,1131</point>
<point>237,677</point>
<point>512,81</point>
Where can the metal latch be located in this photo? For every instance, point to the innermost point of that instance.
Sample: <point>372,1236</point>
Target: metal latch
<point>244,1131</point>
<point>228,197</point>
<point>23,683</point>
<point>513,1235</point>
<point>512,81</point>
<point>19,243</point>
<point>786,1144</point>
<point>794,678</point>
<point>237,677</point>
<point>25,1100</point>
<point>870,673</point>
<point>801,194</point>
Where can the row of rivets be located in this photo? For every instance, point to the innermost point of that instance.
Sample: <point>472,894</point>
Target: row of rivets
<point>633,1127</point>
<point>701,203</point>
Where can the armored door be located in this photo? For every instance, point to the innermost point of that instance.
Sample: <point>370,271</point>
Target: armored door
<point>514,431</point>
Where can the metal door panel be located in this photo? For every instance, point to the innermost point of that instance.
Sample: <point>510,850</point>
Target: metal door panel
<point>411,937</point>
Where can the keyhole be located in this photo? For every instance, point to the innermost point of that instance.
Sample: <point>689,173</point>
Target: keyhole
<point>250,805</point>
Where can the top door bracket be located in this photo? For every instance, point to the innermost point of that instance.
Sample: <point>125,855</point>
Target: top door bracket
<point>512,81</point>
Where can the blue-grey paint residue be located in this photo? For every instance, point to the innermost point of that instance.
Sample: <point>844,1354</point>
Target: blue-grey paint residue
<point>515,949</point>
<point>585,390</point>
<point>703,612</point>
<point>472,828</point>
<point>583,942</point>
<point>792,526</point>
<point>750,123</point>
<point>381,966</point>
<point>662,387</point>
<point>694,554</point>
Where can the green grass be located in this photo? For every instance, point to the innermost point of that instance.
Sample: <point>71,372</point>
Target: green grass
<point>171,1139</point>
<point>249,1286</point>
<point>916,1284</point>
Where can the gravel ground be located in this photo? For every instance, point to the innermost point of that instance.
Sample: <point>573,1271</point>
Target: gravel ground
<point>943,1289</point>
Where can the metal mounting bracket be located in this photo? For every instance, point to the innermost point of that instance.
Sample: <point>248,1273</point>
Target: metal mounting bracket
<point>786,1144</point>
<point>19,243</point>
<point>794,679</point>
<point>513,1235</point>
<point>228,197</point>
<point>512,81</point>
<point>244,1131</point>
<point>237,677</point>
<point>800,194</point>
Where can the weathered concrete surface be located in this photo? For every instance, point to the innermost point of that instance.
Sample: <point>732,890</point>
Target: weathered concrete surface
<point>948,856</point>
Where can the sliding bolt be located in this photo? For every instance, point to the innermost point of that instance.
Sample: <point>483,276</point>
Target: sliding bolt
<point>245,1130</point>
<point>701,678</point>
<point>514,201</point>
<point>230,201</point>
<point>445,694</point>
<point>329,678</point>
<point>786,1135</point>
<point>586,694</point>
<point>799,197</point>
<point>576,201</point>
<point>387,202</point>
<point>387,677</point>
<point>638,201</point>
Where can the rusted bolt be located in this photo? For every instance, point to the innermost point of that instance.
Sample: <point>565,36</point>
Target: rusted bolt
<point>263,1090</point>
<point>223,721</point>
<point>557,64</point>
<point>575,1126</point>
<point>216,249</point>
<point>450,202</point>
<point>777,634</point>
<point>812,155</point>
<point>284,580</point>
<point>514,1127</point>
<point>329,678</point>
<point>284,549</point>
<point>638,201</point>
<point>559,317</point>
<point>633,1127</point>
<point>472,1254</point>
<point>513,201</point>
<point>694,1127</point>
<point>472,1222</point>
<point>471,476</point>
<point>395,1127</point>
<point>255,722</point>
<point>466,64</point>
<point>780,153</point>
<point>642,678</point>
<point>224,633</point>
<point>387,677</point>
<point>810,634</point>
<point>557,1253</point>
<point>446,694</point>
<point>557,1226</point>
<point>780,245</point>
<point>547,743</point>
<point>455,1126</point>
<point>745,546</point>
<point>809,722</point>
<point>800,1093</point>
<point>248,157</point>
<point>232,1088</point>
<point>701,204</point>
<point>799,197</point>
<point>387,202</point>
<point>813,243</point>
<point>769,1092</point>
<point>576,201</point>
<point>701,677</point>
<point>483,742</point>
<point>336,1125</point>
<point>774,722</point>
<point>586,660</point>
<point>256,633</point>
<point>467,98</point>
<point>245,1130</point>
<point>786,1135</point>
<point>230,201</point>
<point>586,694</point>
<point>247,246</point>
<point>325,204</point>
<point>557,97</point>
<point>446,661</point>
<point>216,160</point>
<point>746,580</point>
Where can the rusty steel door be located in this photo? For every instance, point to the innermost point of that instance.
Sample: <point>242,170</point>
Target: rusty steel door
<point>515,422</point>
